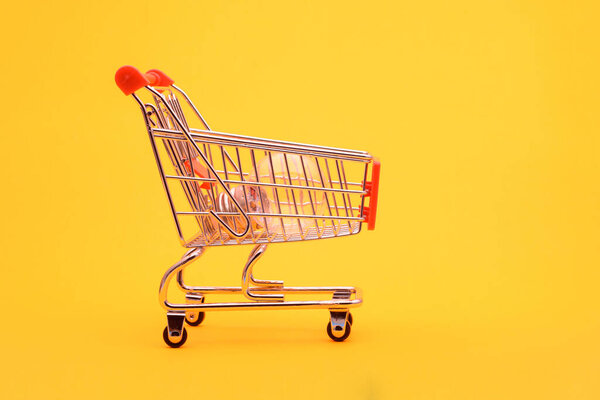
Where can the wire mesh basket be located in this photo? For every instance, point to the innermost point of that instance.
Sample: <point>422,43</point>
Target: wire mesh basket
<point>228,189</point>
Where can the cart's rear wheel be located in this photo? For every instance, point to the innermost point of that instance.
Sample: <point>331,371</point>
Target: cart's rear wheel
<point>174,342</point>
<point>339,336</point>
<point>195,318</point>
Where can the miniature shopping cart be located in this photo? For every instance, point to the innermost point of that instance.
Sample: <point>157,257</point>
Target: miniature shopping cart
<point>225,189</point>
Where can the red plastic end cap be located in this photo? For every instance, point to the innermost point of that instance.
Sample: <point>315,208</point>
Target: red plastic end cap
<point>158,78</point>
<point>373,189</point>
<point>129,79</point>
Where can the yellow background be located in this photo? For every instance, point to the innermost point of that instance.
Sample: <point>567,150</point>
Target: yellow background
<point>480,282</point>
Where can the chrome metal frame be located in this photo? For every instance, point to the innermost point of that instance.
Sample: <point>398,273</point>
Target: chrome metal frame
<point>265,294</point>
<point>165,122</point>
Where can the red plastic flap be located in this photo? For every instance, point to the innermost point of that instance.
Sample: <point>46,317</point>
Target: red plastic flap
<point>373,189</point>
<point>200,171</point>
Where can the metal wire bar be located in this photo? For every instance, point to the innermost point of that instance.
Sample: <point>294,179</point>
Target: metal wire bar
<point>326,196</point>
<point>208,137</point>
<point>283,142</point>
<point>244,189</point>
<point>337,165</point>
<point>331,185</point>
<point>277,215</point>
<point>312,205</point>
<point>276,191</point>
<point>287,167</point>
<point>280,185</point>
<point>262,202</point>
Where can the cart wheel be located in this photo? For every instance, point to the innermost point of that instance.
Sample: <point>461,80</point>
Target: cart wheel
<point>350,319</point>
<point>341,338</point>
<point>194,319</point>
<point>179,343</point>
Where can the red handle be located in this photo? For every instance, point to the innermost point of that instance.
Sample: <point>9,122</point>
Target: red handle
<point>372,187</point>
<point>129,79</point>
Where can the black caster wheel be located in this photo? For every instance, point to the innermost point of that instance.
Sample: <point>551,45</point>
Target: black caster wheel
<point>340,338</point>
<point>195,321</point>
<point>179,343</point>
<point>350,319</point>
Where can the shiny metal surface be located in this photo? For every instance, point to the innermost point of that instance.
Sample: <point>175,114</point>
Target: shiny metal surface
<point>175,325</point>
<point>240,189</point>
<point>343,297</point>
<point>248,279</point>
<point>254,190</point>
<point>338,319</point>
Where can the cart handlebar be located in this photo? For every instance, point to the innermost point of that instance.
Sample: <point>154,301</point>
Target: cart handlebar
<point>129,79</point>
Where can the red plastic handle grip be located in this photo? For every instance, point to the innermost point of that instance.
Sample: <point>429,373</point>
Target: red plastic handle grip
<point>129,79</point>
<point>372,187</point>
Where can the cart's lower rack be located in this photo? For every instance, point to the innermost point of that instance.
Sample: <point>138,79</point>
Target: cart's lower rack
<point>263,294</point>
<point>344,297</point>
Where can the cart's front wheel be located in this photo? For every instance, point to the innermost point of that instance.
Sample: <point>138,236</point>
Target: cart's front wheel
<point>339,335</point>
<point>194,318</point>
<point>174,341</point>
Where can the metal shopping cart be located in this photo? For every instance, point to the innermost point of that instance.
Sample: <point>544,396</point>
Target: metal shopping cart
<point>225,189</point>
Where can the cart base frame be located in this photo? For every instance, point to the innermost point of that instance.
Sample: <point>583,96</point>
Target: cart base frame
<point>262,294</point>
